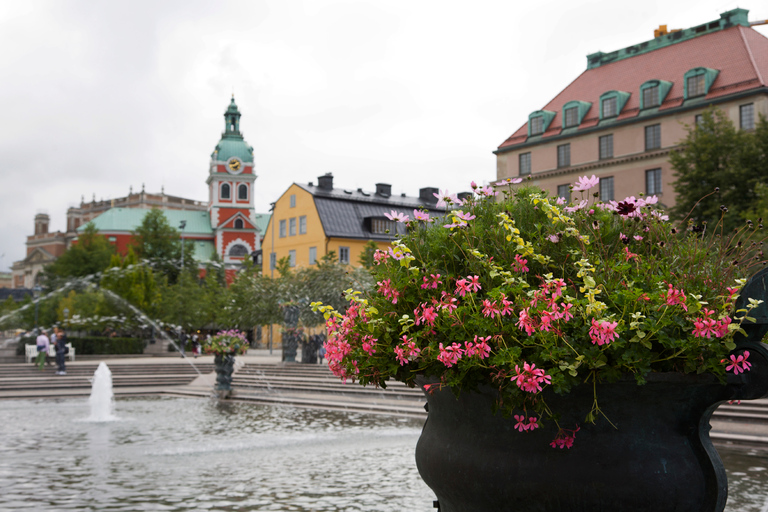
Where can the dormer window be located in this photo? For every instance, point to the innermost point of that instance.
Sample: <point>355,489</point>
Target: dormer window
<point>609,107</point>
<point>537,125</point>
<point>238,223</point>
<point>697,86</point>
<point>611,103</point>
<point>538,122</point>
<point>574,112</point>
<point>653,92</point>
<point>571,117</point>
<point>651,96</point>
<point>697,81</point>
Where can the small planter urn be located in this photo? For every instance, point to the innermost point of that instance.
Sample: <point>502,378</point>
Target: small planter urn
<point>225,365</point>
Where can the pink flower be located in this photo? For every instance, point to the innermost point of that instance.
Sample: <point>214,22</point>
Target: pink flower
<point>564,438</point>
<point>444,198</point>
<point>506,306</point>
<point>585,183</point>
<point>520,425</point>
<point>419,215</point>
<point>369,344</point>
<point>490,309</point>
<point>407,351</point>
<point>448,303</point>
<point>479,347</point>
<point>449,356</point>
<point>462,287</point>
<point>576,207</point>
<point>431,284</point>
<point>399,217</point>
<point>675,296</point>
<point>602,332</point>
<point>628,255</point>
<point>386,289</point>
<point>463,216</point>
<point>380,256</point>
<point>738,364</point>
<point>525,321</point>
<point>560,200</point>
<point>530,378</point>
<point>474,283</point>
<point>519,264</point>
<point>513,181</point>
<point>553,238</point>
<point>427,315</point>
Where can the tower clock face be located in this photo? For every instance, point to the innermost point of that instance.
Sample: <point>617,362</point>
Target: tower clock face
<point>234,165</point>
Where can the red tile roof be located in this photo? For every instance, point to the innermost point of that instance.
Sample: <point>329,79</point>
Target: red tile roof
<point>739,53</point>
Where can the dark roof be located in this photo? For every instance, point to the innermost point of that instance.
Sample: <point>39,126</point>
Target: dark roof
<point>18,294</point>
<point>739,53</point>
<point>343,213</point>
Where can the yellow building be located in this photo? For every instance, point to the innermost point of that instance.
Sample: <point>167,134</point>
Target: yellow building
<point>310,221</point>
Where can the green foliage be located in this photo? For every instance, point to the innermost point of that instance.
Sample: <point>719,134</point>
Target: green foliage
<point>133,281</point>
<point>92,345</point>
<point>715,155</point>
<point>366,256</point>
<point>91,254</point>
<point>156,241</point>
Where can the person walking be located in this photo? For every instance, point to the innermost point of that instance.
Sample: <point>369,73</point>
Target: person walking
<point>61,352</point>
<point>42,349</point>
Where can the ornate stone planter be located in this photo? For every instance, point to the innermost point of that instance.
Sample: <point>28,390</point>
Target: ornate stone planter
<point>224,364</point>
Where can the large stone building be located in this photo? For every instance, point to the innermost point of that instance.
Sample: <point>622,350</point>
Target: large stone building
<point>621,117</point>
<point>225,225</point>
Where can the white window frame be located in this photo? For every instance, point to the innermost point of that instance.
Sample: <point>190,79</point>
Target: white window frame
<point>282,228</point>
<point>292,226</point>
<point>344,255</point>
<point>312,255</point>
<point>303,225</point>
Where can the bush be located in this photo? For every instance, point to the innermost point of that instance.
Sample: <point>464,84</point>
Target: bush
<point>103,345</point>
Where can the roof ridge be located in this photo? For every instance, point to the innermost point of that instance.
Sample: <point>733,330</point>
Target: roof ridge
<point>749,52</point>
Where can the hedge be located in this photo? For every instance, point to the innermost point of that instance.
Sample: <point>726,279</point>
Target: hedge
<point>93,345</point>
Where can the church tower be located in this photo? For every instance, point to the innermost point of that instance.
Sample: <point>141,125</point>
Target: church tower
<point>230,182</point>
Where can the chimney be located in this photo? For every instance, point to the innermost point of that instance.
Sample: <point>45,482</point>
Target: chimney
<point>427,194</point>
<point>383,189</point>
<point>325,182</point>
<point>41,223</point>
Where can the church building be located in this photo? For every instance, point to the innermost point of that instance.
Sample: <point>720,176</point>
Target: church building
<point>226,224</point>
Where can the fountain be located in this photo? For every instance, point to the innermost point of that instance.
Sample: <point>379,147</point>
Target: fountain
<point>102,398</point>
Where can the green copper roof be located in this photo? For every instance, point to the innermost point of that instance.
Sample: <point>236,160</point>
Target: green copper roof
<point>204,250</point>
<point>128,219</point>
<point>262,221</point>
<point>232,142</point>
<point>727,19</point>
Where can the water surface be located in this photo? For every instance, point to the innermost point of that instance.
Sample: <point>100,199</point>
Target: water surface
<point>176,454</point>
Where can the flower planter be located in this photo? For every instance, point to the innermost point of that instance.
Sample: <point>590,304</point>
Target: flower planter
<point>225,365</point>
<point>658,458</point>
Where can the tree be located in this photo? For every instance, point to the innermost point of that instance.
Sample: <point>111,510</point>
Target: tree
<point>719,166</point>
<point>91,254</point>
<point>156,241</point>
<point>366,256</point>
<point>133,281</point>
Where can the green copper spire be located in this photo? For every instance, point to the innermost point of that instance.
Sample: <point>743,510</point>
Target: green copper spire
<point>232,142</point>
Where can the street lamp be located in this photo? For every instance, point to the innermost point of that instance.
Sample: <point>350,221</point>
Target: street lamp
<point>182,225</point>
<point>36,294</point>
<point>272,260</point>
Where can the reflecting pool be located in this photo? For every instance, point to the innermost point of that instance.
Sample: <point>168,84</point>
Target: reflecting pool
<point>175,454</point>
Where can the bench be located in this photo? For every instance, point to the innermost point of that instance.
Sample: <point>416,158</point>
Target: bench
<point>30,352</point>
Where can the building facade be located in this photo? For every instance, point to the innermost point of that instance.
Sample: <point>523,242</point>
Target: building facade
<point>620,119</point>
<point>311,221</point>
<point>225,225</point>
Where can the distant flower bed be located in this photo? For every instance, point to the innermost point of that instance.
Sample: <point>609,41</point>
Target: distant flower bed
<point>226,342</point>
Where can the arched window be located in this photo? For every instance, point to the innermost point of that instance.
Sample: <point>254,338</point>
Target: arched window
<point>242,192</point>
<point>225,191</point>
<point>238,250</point>
<point>238,223</point>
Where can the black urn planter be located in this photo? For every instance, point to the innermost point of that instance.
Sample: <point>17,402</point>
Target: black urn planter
<point>225,365</point>
<point>659,457</point>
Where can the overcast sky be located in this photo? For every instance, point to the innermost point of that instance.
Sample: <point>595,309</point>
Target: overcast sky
<point>97,97</point>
